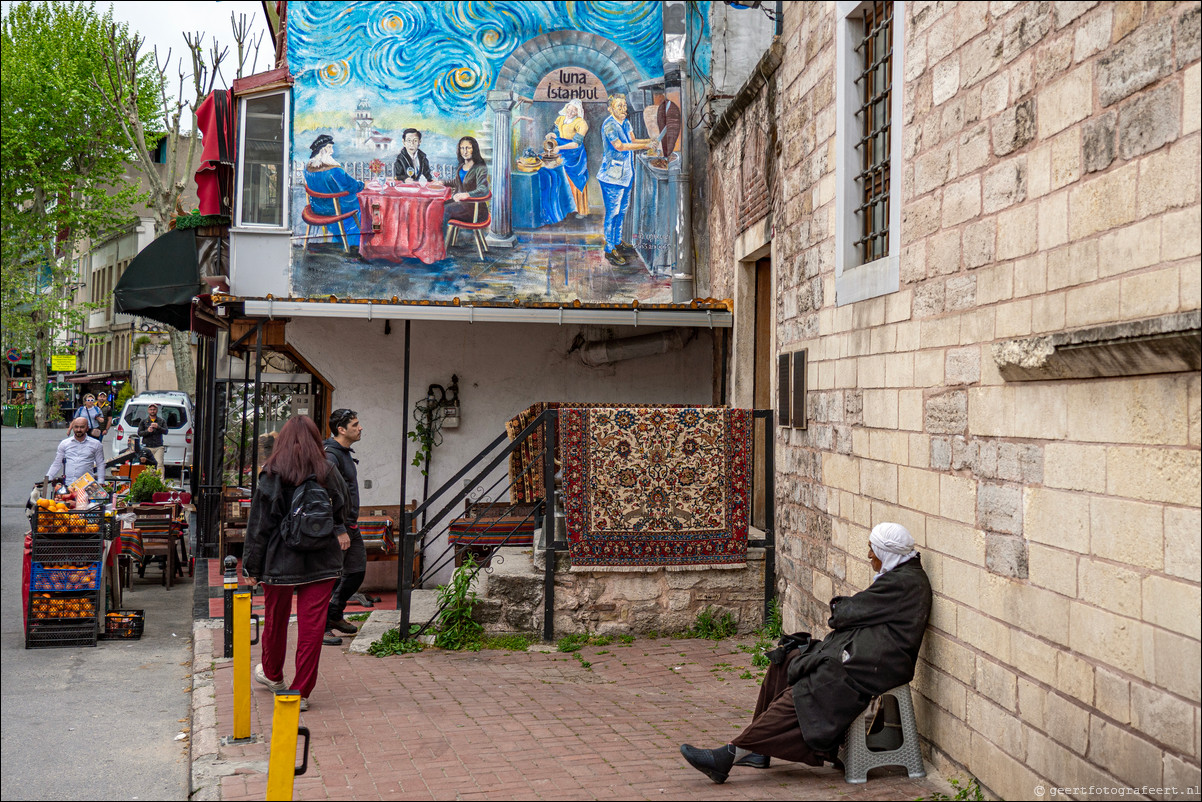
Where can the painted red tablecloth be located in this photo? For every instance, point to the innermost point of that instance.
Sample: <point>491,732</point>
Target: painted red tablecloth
<point>409,218</point>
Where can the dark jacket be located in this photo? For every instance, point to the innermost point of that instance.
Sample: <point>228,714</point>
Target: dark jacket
<point>420,170</point>
<point>266,558</point>
<point>148,438</point>
<point>880,629</point>
<point>339,456</point>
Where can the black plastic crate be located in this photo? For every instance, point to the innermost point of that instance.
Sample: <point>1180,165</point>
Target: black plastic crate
<point>50,606</point>
<point>126,624</point>
<point>63,550</point>
<point>48,634</point>
<point>88,522</point>
<point>60,577</point>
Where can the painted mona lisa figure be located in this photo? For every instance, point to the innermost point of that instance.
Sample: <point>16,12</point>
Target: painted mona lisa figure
<point>469,181</point>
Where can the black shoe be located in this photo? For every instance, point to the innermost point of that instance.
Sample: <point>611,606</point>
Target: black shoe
<point>361,600</point>
<point>714,763</point>
<point>343,626</point>
<point>755,761</point>
<point>331,639</point>
<point>614,258</point>
<point>625,247</point>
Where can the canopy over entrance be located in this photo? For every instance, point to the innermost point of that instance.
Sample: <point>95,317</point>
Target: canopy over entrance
<point>162,280</point>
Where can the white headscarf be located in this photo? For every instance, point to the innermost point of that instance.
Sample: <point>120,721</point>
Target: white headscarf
<point>893,545</point>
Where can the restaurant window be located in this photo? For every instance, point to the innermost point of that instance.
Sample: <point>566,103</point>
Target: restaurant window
<point>868,60</point>
<point>261,189</point>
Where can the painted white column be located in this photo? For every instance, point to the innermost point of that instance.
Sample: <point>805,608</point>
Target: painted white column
<point>500,233</point>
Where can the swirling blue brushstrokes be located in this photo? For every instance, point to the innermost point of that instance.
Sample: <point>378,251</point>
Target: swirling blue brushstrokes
<point>442,58</point>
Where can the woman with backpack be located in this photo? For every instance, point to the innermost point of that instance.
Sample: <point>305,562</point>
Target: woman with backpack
<point>295,537</point>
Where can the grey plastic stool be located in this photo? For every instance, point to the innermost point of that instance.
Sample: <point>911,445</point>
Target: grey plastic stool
<point>858,758</point>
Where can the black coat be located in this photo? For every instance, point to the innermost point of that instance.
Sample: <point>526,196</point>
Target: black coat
<point>339,456</point>
<point>420,170</point>
<point>265,556</point>
<point>151,439</point>
<point>880,629</point>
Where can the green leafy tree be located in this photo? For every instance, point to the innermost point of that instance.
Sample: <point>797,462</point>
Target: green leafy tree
<point>62,157</point>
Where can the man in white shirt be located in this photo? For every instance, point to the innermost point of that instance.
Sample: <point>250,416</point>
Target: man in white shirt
<point>77,455</point>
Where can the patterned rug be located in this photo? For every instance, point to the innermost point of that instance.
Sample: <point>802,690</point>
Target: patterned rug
<point>650,488</point>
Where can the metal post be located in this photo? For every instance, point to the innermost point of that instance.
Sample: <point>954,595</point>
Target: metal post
<point>254,445</point>
<point>241,665</point>
<point>769,513</point>
<point>405,570</point>
<point>242,431</point>
<point>281,768</point>
<point>549,432</point>
<point>231,585</point>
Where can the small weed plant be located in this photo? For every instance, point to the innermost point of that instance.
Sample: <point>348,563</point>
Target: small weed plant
<point>712,627</point>
<point>970,791</point>
<point>391,643</point>
<point>514,642</point>
<point>456,628</point>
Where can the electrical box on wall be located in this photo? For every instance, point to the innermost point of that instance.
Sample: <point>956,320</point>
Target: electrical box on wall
<point>301,405</point>
<point>450,407</point>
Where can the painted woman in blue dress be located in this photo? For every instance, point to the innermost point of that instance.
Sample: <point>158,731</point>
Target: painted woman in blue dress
<point>569,132</point>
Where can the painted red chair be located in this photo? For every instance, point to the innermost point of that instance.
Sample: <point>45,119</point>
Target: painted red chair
<point>476,225</point>
<point>314,220</point>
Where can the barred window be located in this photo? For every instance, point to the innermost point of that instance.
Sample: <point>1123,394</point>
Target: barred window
<point>875,87</point>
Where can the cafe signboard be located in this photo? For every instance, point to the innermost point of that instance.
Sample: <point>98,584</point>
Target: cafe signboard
<point>571,83</point>
<point>62,363</point>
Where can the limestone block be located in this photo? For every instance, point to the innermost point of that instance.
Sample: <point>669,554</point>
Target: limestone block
<point>1005,185</point>
<point>943,253</point>
<point>1057,518</point>
<point>1109,586</point>
<point>960,293</point>
<point>938,332</point>
<point>881,409</point>
<point>1014,127</point>
<point>1073,265</point>
<point>1014,231</point>
<point>963,365</point>
<point>1075,467</point>
<point>1066,158</point>
<point>929,299</point>
<point>1130,758</point>
<point>949,656</point>
<point>1093,34</point>
<point>980,240</point>
<point>1105,202</point>
<point>1004,731</point>
<point>1030,703</point>
<point>1129,410</point>
<point>1173,604</point>
<point>1000,508</point>
<point>1150,294</point>
<point>1182,233</point>
<point>1074,677</point>
<point>1047,314</point>
<point>976,327</point>
<point>1128,532</point>
<point>871,370</point>
<point>1191,119</point>
<point>961,201</point>
<point>1025,28</point>
<point>1053,59</point>
<point>1189,36</point>
<point>1099,141</point>
<point>897,308</point>
<point>841,472</point>
<point>1177,664</point>
<point>1112,639</point>
<point>974,147</point>
<point>1145,57</point>
<point>1112,695</point>
<point>957,499</point>
<point>1033,657</point>
<point>1053,222</point>
<point>1052,569</point>
<point>947,413</point>
<point>1093,304</point>
<point>1180,774</point>
<point>1149,121</point>
<point>1166,180</point>
<point>1130,248</point>
<point>878,480</point>
<point>1067,722</point>
<point>1006,555</point>
<point>1020,462</point>
<point>1065,102</point>
<point>997,683</point>
<point>1013,319</point>
<point>1181,544</point>
<point>928,368</point>
<point>946,80</point>
<point>1154,474</point>
<point>909,410</point>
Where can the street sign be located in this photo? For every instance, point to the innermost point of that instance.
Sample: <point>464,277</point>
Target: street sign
<point>62,363</point>
<point>13,355</point>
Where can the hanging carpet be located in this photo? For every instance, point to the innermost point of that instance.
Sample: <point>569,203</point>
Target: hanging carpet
<point>652,488</point>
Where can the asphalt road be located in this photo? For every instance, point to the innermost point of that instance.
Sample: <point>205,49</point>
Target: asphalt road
<point>88,723</point>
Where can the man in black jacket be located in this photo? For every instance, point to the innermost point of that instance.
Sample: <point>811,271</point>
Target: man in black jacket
<point>150,434</point>
<point>412,164</point>
<point>814,690</point>
<point>344,423</point>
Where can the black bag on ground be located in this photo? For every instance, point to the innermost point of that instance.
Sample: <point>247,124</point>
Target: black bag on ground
<point>310,519</point>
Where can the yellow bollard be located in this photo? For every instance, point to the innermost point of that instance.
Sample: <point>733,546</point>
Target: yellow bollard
<point>241,665</point>
<point>281,770</point>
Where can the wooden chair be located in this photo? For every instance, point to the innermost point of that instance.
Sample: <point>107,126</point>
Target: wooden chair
<point>481,220</point>
<point>337,220</point>
<point>162,536</point>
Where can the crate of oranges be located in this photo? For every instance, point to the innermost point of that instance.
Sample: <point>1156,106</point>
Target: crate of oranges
<point>61,577</point>
<point>56,518</point>
<point>50,605</point>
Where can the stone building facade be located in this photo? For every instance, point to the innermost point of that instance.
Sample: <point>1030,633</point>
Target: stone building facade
<point>1016,381</point>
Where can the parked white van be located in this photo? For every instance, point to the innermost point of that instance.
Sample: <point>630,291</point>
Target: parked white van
<point>175,408</point>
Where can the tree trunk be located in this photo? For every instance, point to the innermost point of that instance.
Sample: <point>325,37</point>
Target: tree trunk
<point>181,354</point>
<point>41,350</point>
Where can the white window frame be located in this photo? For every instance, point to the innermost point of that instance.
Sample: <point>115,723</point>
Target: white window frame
<point>285,165</point>
<point>854,281</point>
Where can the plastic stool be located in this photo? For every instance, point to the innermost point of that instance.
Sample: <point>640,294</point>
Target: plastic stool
<point>858,758</point>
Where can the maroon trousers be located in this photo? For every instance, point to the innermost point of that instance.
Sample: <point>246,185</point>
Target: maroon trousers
<point>312,605</point>
<point>774,730</point>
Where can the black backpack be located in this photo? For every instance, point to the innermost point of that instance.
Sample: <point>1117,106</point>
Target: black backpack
<point>310,519</point>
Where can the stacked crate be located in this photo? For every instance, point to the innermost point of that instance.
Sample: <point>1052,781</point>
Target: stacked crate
<point>66,588</point>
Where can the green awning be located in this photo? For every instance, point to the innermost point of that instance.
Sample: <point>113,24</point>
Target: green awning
<point>162,280</point>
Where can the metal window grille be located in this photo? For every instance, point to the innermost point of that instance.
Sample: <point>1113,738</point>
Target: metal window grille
<point>875,85</point>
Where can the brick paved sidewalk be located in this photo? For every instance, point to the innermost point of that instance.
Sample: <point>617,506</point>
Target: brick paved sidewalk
<point>512,725</point>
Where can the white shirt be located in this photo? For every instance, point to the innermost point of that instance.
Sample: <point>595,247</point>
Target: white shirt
<point>78,459</point>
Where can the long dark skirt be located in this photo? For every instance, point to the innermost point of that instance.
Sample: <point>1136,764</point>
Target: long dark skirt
<point>467,212</point>
<point>774,730</point>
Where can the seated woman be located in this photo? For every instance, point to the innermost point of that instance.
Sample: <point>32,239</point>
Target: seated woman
<point>568,136</point>
<point>470,181</point>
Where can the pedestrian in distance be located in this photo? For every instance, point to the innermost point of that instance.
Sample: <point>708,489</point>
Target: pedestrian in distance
<point>815,689</point>
<point>150,433</point>
<point>295,536</point>
<point>75,456</point>
<point>94,416</point>
<point>346,431</point>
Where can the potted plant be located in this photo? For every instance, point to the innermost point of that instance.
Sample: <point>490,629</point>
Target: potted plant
<point>149,482</point>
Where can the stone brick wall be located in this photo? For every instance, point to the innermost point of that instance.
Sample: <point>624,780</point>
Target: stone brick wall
<point>1050,182</point>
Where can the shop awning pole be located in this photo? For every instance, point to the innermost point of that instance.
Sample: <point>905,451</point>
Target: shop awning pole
<point>405,569</point>
<point>254,450</point>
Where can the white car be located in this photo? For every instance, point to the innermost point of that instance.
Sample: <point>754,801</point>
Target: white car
<point>175,409</point>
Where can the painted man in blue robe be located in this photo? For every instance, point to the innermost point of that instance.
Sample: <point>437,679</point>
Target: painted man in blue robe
<point>617,175</point>
<point>324,174</point>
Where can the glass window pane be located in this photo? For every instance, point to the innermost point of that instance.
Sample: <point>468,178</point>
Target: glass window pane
<point>263,161</point>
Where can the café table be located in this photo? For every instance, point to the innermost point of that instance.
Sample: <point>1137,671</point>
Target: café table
<point>403,221</point>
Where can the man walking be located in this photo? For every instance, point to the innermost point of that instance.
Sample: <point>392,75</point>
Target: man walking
<point>76,455</point>
<point>346,429</point>
<point>150,433</point>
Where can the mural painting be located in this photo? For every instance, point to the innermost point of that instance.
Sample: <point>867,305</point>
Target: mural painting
<point>485,151</point>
